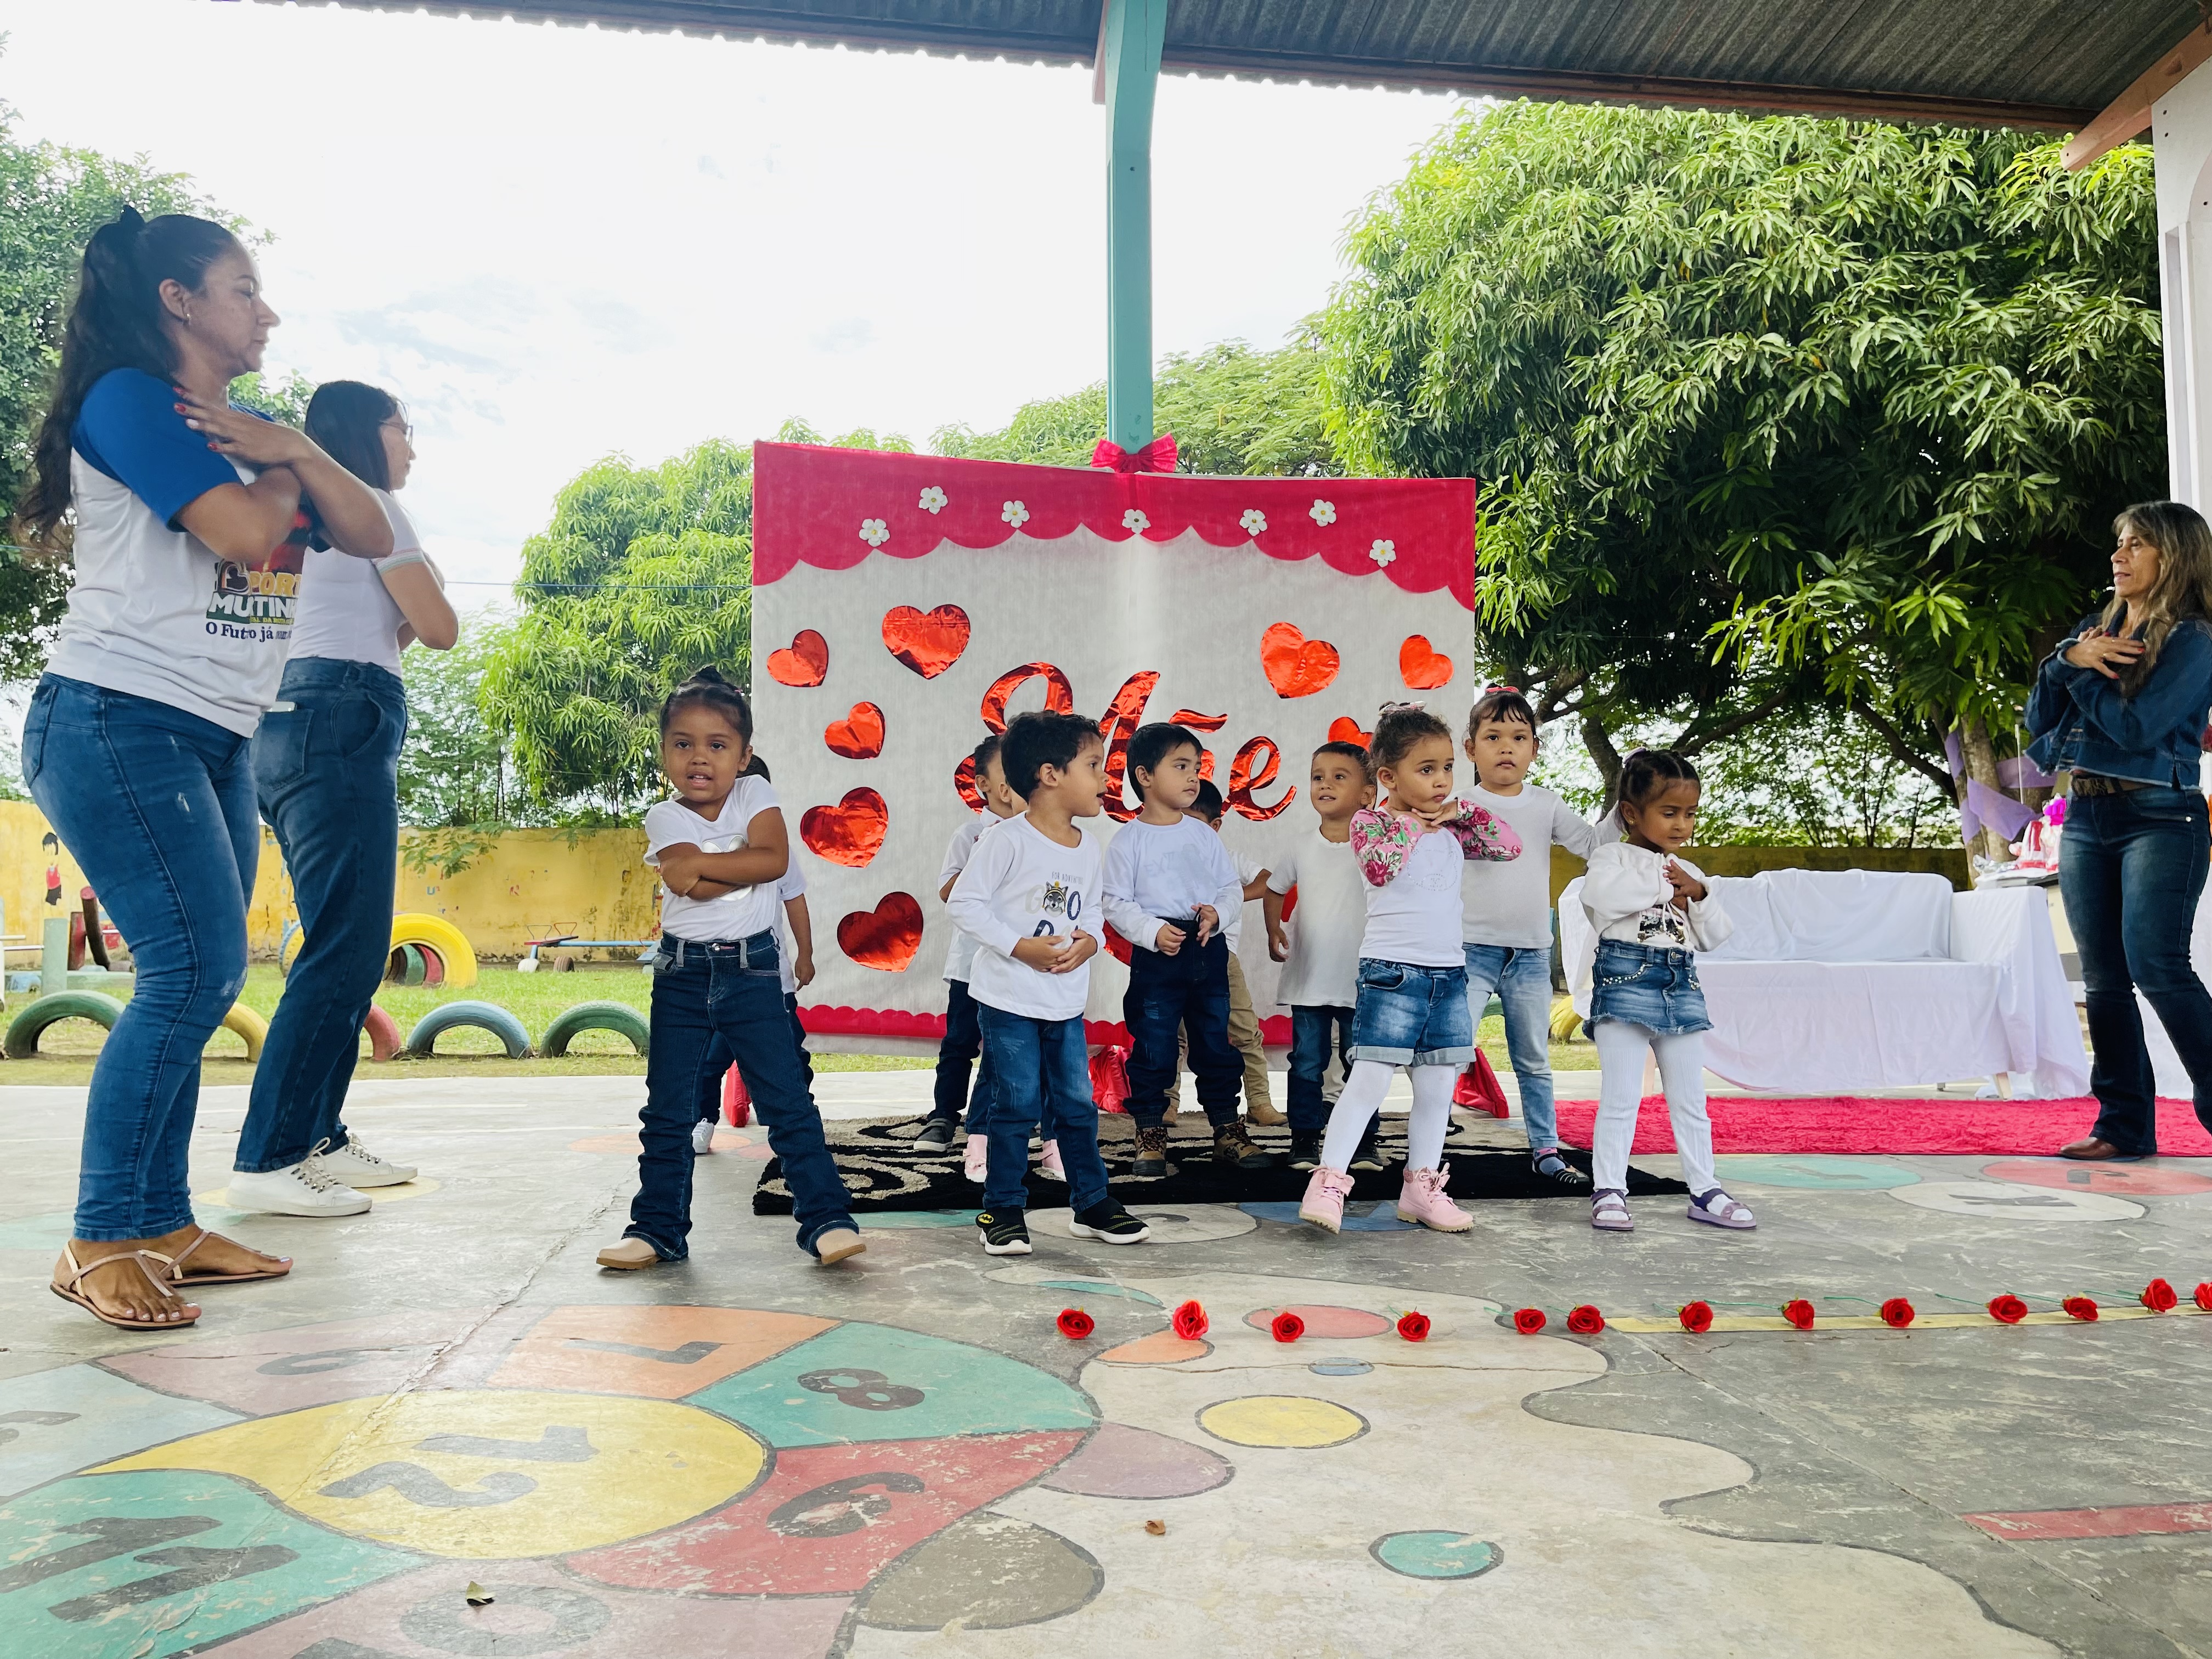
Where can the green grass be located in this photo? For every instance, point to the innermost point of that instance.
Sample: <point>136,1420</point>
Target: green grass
<point>1576,1056</point>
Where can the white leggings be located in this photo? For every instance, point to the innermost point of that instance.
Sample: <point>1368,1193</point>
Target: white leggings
<point>1620,1049</point>
<point>1361,1098</point>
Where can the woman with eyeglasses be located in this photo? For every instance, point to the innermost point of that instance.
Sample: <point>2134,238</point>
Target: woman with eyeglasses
<point>326,773</point>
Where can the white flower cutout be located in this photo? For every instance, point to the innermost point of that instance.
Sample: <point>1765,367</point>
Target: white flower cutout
<point>1135,520</point>
<point>1382,552</point>
<point>1253,521</point>
<point>1015,514</point>
<point>932,500</point>
<point>874,532</point>
<point>1322,512</point>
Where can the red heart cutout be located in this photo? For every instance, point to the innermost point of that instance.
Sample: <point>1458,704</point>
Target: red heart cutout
<point>1345,729</point>
<point>1296,665</point>
<point>805,662</point>
<point>1422,668</point>
<point>851,832</point>
<point>964,781</point>
<point>884,938</point>
<point>859,735</point>
<point>928,642</point>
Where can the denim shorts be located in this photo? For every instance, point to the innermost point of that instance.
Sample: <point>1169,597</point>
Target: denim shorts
<point>1410,1016</point>
<point>1645,985</point>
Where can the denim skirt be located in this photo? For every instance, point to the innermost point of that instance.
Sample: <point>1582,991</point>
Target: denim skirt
<point>1648,986</point>
<point>1411,1016</point>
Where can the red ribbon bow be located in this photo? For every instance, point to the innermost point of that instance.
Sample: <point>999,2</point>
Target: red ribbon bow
<point>1157,456</point>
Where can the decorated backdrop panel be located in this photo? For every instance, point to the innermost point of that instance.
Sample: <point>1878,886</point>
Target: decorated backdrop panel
<point>904,606</point>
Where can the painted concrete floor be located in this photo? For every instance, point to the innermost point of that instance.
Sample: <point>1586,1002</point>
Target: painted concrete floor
<point>746,1455</point>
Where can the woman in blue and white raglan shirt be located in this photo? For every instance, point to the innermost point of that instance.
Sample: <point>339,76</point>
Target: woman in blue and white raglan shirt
<point>190,521</point>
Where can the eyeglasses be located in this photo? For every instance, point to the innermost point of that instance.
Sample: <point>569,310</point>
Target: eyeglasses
<point>405,429</point>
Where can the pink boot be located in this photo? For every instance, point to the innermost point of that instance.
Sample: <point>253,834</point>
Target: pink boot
<point>1324,1204</point>
<point>1422,1200</point>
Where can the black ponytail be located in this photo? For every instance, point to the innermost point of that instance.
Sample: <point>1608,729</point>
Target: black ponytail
<point>707,689</point>
<point>1648,773</point>
<point>115,321</point>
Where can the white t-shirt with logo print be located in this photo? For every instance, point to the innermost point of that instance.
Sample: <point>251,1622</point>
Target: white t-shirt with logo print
<point>1021,884</point>
<point>733,916</point>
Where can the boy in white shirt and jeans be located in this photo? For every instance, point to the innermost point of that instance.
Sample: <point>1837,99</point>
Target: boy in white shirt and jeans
<point>1029,889</point>
<point>1506,909</point>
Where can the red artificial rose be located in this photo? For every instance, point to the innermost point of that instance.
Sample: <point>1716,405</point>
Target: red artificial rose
<point>1190,1321</point>
<point>1585,1320</point>
<point>1528,1320</point>
<point>1413,1327</point>
<point>1075,1324</point>
<point>2205,1296</point>
<point>1697,1317</point>
<point>2159,1297</point>
<point>1896,1312</point>
<point>1798,1312</point>
<point>2081,1307</point>
<point>1287,1328</point>
<point>2007,1310</point>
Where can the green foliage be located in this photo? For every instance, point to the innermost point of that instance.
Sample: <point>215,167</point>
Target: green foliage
<point>644,575</point>
<point>1852,402</point>
<point>455,773</point>
<point>284,400</point>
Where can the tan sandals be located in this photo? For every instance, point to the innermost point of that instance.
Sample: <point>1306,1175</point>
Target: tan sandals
<point>67,1290</point>
<point>175,1265</point>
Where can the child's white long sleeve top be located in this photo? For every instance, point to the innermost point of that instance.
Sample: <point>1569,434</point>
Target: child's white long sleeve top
<point>1159,873</point>
<point>1626,897</point>
<point>1020,884</point>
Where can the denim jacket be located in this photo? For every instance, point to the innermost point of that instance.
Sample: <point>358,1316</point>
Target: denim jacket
<point>2078,721</point>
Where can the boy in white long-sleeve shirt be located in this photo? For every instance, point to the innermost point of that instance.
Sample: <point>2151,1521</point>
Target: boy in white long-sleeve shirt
<point>1028,890</point>
<point>1168,885</point>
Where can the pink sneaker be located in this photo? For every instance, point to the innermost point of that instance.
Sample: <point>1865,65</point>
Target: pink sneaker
<point>979,1157</point>
<point>1422,1200</point>
<point>1048,1165</point>
<point>1324,1204</point>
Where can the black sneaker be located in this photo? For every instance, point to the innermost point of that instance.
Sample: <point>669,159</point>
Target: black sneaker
<point>1553,1167</point>
<point>1305,1149</point>
<point>1151,1160</point>
<point>1108,1221</point>
<point>1369,1155</point>
<point>936,1135</point>
<point>1005,1233</point>
<point>1232,1145</point>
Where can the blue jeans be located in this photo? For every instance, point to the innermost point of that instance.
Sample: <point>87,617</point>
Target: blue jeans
<point>1522,980</point>
<point>956,1053</point>
<point>1041,1066</point>
<point>1652,986</point>
<point>730,990</point>
<point>1169,996</point>
<point>1412,1016</point>
<point>1314,1032</point>
<point>718,1060</point>
<point>2130,868</point>
<point>326,773</point>
<point>156,807</point>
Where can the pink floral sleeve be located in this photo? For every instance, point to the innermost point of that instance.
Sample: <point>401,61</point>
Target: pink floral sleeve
<point>1381,844</point>
<point>1482,835</point>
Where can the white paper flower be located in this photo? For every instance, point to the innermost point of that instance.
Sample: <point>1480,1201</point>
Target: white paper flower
<point>874,532</point>
<point>1135,520</point>
<point>1322,512</point>
<point>1253,521</point>
<point>932,500</point>
<point>1015,514</point>
<point>1382,552</point>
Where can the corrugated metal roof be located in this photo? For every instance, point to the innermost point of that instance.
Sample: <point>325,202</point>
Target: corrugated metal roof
<point>2049,62</point>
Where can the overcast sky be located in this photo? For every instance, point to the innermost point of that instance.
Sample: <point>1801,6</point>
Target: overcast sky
<point>559,244</point>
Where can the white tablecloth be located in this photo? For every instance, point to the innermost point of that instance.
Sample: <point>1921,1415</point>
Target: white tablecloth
<point>2172,1079</point>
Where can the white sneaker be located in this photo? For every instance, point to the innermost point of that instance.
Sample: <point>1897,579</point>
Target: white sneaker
<point>307,1188</point>
<point>354,1165</point>
<point>977,1155</point>
<point>702,1136</point>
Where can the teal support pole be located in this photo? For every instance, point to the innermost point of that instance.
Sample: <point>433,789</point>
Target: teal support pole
<point>1130,36</point>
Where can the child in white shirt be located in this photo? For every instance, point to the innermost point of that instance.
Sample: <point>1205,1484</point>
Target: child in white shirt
<point>963,1043</point>
<point>1244,1034</point>
<point>1029,888</point>
<point>1652,912</point>
<point>1320,950</point>
<point>1506,909</point>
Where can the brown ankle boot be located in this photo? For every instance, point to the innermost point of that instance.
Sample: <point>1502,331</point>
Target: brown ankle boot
<point>1151,1160</point>
<point>1232,1145</point>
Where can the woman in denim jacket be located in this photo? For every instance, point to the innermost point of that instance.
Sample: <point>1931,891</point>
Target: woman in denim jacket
<point>2121,706</point>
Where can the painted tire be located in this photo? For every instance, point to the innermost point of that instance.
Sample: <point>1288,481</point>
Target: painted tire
<point>421,1041</point>
<point>1565,1022</point>
<point>407,965</point>
<point>383,1030</point>
<point>617,1017</point>
<point>435,933</point>
<point>249,1025</point>
<point>24,1030</point>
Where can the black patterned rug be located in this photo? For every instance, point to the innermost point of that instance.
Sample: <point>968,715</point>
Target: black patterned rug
<point>884,1169</point>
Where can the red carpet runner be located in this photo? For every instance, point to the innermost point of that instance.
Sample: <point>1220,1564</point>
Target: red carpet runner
<point>1850,1123</point>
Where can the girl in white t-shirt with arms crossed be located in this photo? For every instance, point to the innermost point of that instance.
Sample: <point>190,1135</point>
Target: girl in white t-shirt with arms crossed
<point>720,847</point>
